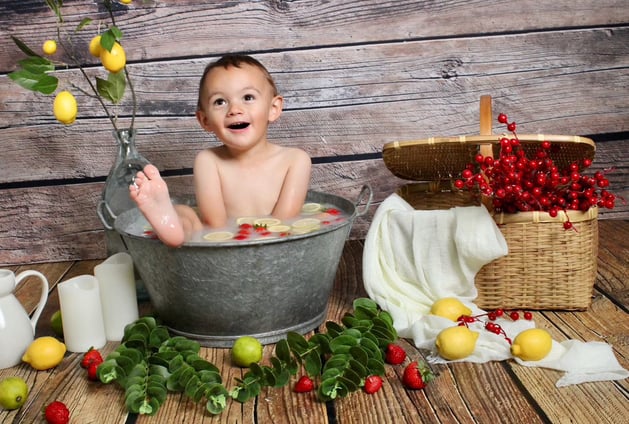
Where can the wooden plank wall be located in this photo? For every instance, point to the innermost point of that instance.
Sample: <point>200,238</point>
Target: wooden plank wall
<point>355,75</point>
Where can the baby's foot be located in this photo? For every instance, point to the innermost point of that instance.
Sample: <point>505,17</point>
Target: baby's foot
<point>150,192</point>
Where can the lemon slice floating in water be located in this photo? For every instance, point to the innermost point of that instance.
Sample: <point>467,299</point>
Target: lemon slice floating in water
<point>311,207</point>
<point>246,220</point>
<point>269,222</point>
<point>306,223</point>
<point>218,236</point>
<point>280,228</point>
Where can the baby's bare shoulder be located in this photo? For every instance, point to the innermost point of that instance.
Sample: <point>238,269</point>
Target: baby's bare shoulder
<point>295,155</point>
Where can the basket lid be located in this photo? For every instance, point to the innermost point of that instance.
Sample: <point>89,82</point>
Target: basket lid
<point>441,158</point>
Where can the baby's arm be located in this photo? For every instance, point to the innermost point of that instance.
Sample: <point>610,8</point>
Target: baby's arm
<point>295,186</point>
<point>208,190</point>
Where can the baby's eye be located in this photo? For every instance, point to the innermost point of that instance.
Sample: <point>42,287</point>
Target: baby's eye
<point>249,97</point>
<point>219,102</point>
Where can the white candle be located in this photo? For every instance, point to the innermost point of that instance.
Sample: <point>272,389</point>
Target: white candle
<point>83,326</point>
<point>116,282</point>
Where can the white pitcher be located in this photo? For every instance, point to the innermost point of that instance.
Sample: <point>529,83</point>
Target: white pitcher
<point>17,331</point>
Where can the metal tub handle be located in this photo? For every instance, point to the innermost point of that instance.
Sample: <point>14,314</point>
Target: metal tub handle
<point>365,196</point>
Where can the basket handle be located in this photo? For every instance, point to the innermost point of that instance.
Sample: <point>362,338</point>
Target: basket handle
<point>486,149</point>
<point>486,124</point>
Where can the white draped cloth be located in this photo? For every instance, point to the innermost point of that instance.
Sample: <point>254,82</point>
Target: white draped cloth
<point>413,258</point>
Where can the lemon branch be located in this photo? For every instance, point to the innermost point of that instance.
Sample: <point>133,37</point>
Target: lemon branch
<point>76,61</point>
<point>34,72</point>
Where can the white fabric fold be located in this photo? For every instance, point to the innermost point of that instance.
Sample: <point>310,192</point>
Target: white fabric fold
<point>412,258</point>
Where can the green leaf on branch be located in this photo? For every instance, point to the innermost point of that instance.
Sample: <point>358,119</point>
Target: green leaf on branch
<point>109,37</point>
<point>113,87</point>
<point>84,22</point>
<point>55,6</point>
<point>42,83</point>
<point>22,46</point>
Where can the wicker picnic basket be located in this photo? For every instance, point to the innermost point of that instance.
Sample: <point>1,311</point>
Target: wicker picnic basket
<point>547,267</point>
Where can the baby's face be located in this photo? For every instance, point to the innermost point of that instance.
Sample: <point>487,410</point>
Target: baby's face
<point>238,104</point>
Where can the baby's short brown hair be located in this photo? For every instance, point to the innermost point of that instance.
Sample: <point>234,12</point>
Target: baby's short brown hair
<point>235,60</point>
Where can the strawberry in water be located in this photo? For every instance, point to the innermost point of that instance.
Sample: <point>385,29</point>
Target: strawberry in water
<point>57,413</point>
<point>373,383</point>
<point>304,385</point>
<point>417,375</point>
<point>394,354</point>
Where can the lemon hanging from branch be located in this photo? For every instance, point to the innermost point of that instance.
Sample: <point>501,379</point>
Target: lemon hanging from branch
<point>36,72</point>
<point>65,107</point>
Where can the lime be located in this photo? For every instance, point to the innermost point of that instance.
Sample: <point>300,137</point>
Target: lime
<point>44,353</point>
<point>57,324</point>
<point>13,392</point>
<point>246,350</point>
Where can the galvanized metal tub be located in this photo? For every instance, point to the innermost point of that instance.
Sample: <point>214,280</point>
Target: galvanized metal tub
<point>217,292</point>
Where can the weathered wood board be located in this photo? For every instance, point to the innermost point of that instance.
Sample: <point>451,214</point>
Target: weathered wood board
<point>355,75</point>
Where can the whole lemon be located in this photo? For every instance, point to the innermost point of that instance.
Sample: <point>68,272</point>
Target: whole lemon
<point>95,48</point>
<point>450,308</point>
<point>456,342</point>
<point>13,392</point>
<point>126,1</point>
<point>65,107</point>
<point>44,353</point>
<point>49,47</point>
<point>532,344</point>
<point>246,351</point>
<point>114,60</point>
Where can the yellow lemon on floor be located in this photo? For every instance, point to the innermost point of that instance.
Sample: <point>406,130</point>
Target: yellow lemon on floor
<point>246,351</point>
<point>49,47</point>
<point>95,48</point>
<point>114,60</point>
<point>450,308</point>
<point>532,344</point>
<point>456,342</point>
<point>44,353</point>
<point>65,108</point>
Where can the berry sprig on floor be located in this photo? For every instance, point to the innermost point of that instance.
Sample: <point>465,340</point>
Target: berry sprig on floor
<point>488,320</point>
<point>516,183</point>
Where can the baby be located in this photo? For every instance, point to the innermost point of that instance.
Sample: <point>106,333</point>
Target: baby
<point>247,175</point>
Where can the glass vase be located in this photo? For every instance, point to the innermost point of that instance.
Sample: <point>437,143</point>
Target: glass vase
<point>115,198</point>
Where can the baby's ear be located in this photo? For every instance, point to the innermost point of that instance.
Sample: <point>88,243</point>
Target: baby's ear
<point>202,118</point>
<point>276,108</point>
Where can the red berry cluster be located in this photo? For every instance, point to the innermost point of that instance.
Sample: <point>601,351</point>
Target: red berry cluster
<point>519,184</point>
<point>490,325</point>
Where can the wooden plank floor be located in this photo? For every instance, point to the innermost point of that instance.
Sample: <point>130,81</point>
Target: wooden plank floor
<point>497,392</point>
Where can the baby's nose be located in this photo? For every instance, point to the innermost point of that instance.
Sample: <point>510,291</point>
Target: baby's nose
<point>234,109</point>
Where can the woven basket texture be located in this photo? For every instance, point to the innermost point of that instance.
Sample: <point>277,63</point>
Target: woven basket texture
<point>547,267</point>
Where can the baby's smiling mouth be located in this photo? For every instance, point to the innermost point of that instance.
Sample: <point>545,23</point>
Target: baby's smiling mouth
<point>238,125</point>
